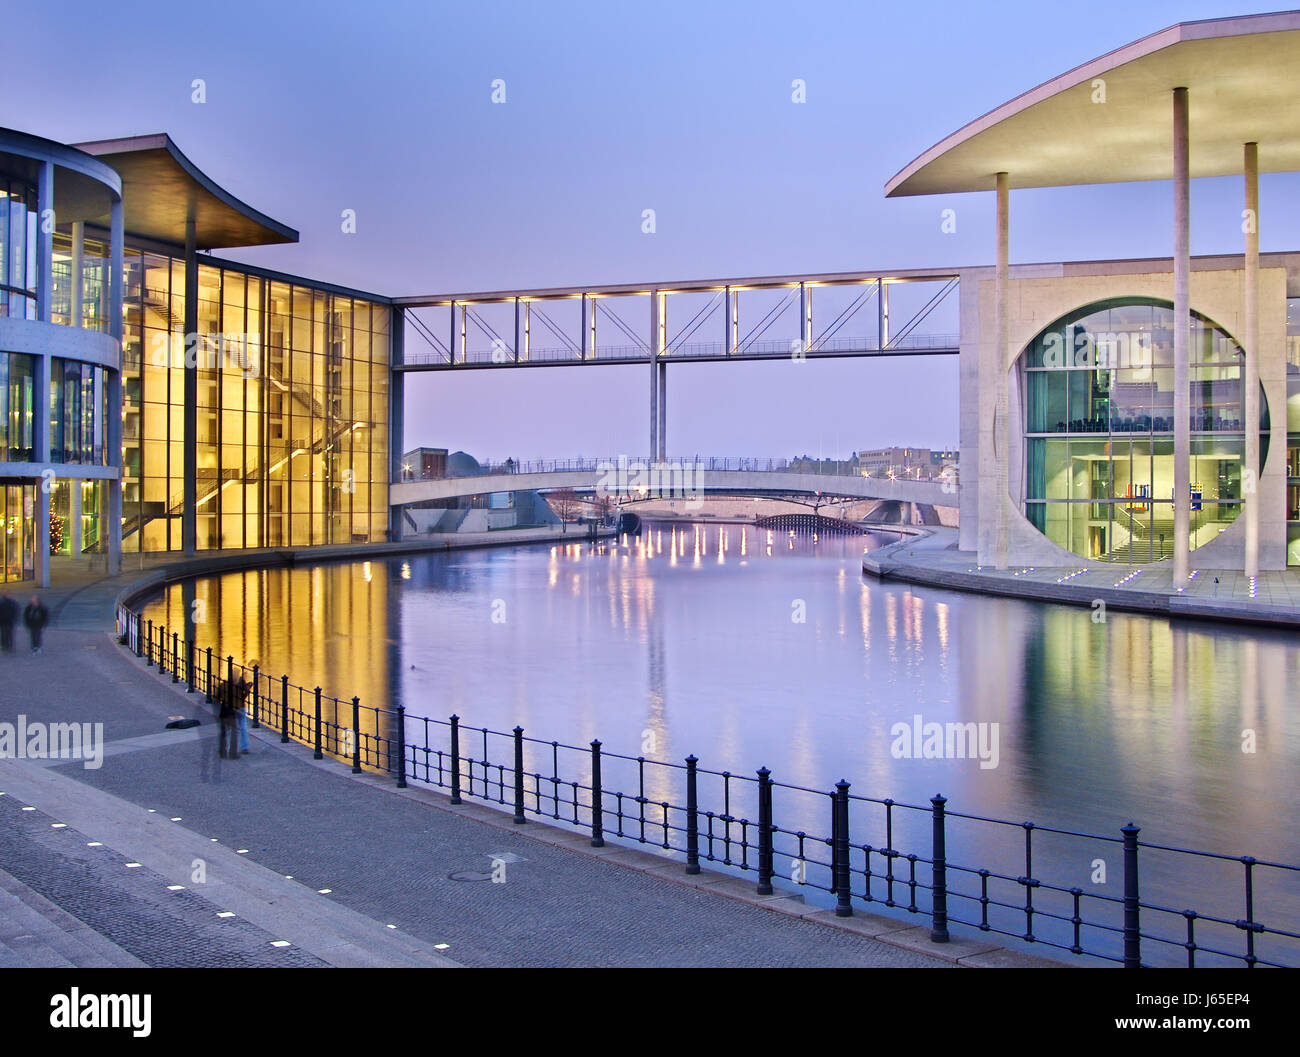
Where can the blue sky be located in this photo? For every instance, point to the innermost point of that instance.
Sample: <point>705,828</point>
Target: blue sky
<point>683,107</point>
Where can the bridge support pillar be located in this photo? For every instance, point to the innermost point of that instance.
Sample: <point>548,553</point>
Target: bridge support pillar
<point>662,451</point>
<point>657,326</point>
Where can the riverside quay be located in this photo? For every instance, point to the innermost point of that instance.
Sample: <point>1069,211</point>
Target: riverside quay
<point>341,697</point>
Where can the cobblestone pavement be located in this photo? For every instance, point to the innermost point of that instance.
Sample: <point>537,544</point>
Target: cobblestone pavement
<point>132,907</point>
<point>398,861</point>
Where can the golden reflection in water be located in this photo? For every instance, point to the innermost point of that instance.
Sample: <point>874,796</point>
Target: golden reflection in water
<point>941,628</point>
<point>338,638</point>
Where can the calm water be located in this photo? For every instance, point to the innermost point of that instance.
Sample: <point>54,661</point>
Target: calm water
<point>753,649</point>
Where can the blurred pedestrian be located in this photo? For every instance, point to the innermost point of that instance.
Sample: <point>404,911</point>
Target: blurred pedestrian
<point>242,690</point>
<point>36,616</point>
<point>8,617</point>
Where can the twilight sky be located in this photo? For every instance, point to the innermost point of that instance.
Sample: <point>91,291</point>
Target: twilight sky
<point>678,106</point>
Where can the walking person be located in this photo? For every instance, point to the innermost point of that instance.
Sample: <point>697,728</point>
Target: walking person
<point>8,617</point>
<point>229,721</point>
<point>36,616</point>
<point>242,689</point>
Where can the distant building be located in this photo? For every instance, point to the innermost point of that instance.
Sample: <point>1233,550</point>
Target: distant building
<point>917,463</point>
<point>424,464</point>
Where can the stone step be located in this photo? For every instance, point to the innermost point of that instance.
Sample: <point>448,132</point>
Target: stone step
<point>35,933</point>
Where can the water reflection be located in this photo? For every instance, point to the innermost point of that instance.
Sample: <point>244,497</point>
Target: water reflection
<point>748,647</point>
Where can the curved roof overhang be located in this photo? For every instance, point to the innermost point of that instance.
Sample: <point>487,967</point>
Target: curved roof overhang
<point>162,189</point>
<point>84,187</point>
<point>1243,80</point>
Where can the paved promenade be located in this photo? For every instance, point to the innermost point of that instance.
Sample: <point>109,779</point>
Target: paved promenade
<point>1274,597</point>
<point>170,856</point>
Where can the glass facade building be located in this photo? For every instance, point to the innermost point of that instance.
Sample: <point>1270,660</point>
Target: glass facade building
<point>292,410</point>
<point>154,398</point>
<point>1099,444</point>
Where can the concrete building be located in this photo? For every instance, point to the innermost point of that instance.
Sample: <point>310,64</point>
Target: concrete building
<point>1134,411</point>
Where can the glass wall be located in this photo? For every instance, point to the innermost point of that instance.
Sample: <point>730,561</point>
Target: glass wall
<point>18,217</point>
<point>17,511</point>
<point>292,412</point>
<point>1099,447</point>
<point>93,278</point>
<point>17,427</point>
<point>76,412</point>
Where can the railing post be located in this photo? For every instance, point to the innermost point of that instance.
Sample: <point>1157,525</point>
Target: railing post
<point>284,709</point>
<point>939,866</point>
<point>176,658</point>
<point>162,647</point>
<point>840,859</point>
<point>520,819</point>
<point>692,817</point>
<point>139,646</point>
<point>257,676</point>
<point>597,805</point>
<point>401,746</point>
<point>455,760</point>
<point>764,832</point>
<point>230,672</point>
<point>148,643</point>
<point>1132,901</point>
<point>189,666</point>
<point>317,754</point>
<point>356,735</point>
<point>207,689</point>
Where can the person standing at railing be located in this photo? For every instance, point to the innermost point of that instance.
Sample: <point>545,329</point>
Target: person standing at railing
<point>227,720</point>
<point>242,689</point>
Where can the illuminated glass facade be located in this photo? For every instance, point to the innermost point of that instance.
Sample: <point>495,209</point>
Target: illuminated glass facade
<point>292,410</point>
<point>1099,443</point>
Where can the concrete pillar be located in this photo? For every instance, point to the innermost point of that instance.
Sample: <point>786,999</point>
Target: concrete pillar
<point>452,343</point>
<point>74,519</point>
<point>588,327</point>
<point>882,309</point>
<point>519,326</point>
<point>78,261</point>
<point>1250,340</point>
<point>45,221</point>
<point>657,324</point>
<point>189,521</point>
<point>41,392</point>
<point>1182,321</point>
<point>805,316</point>
<point>111,526</point>
<point>731,309</point>
<point>1001,378</point>
<point>662,450</point>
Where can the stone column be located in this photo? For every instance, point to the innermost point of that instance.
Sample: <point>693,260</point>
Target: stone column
<point>1001,378</point>
<point>1182,321</point>
<point>1250,340</point>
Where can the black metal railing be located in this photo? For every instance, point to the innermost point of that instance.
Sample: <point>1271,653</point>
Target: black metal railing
<point>851,848</point>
